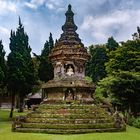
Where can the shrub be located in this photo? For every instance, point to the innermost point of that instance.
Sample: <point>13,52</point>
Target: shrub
<point>136,122</point>
<point>131,121</point>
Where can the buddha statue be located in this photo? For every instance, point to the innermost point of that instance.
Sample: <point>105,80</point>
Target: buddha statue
<point>70,71</point>
<point>69,96</point>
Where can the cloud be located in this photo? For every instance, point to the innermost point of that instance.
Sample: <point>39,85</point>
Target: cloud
<point>38,2</point>
<point>56,5</point>
<point>4,35</point>
<point>4,30</point>
<point>115,24</point>
<point>30,5</point>
<point>34,4</point>
<point>50,6</point>
<point>7,6</point>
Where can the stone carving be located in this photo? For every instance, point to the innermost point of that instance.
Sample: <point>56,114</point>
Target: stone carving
<point>58,69</point>
<point>69,95</point>
<point>70,71</point>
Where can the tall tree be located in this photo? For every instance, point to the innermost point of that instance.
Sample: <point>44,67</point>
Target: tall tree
<point>136,36</point>
<point>123,89</point>
<point>51,42</point>
<point>3,68</point>
<point>125,58</point>
<point>95,67</point>
<point>111,44</point>
<point>45,68</point>
<point>123,79</point>
<point>21,76</point>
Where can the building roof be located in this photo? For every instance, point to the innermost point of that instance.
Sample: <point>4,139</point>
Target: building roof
<point>35,96</point>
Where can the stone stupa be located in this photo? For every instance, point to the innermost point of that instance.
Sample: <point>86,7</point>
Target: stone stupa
<point>68,104</point>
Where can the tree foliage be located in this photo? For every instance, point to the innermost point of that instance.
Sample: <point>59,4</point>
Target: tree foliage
<point>124,89</point>
<point>2,64</point>
<point>123,80</point>
<point>51,42</point>
<point>3,70</point>
<point>21,76</point>
<point>125,58</point>
<point>95,67</point>
<point>111,44</point>
<point>45,71</point>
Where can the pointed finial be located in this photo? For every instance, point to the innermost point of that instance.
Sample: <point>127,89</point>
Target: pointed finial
<point>69,12</point>
<point>69,7</point>
<point>50,34</point>
<point>20,24</point>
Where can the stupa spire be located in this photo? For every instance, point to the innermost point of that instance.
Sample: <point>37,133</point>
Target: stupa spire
<point>69,24</point>
<point>69,35</point>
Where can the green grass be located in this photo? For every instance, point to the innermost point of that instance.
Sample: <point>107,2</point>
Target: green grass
<point>6,134</point>
<point>4,115</point>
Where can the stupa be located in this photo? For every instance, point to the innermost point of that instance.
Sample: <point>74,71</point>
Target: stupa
<point>68,104</point>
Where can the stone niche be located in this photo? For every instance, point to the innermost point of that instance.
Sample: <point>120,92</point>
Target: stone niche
<point>68,69</point>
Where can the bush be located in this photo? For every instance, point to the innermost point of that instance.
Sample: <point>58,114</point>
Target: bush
<point>136,122</point>
<point>131,120</point>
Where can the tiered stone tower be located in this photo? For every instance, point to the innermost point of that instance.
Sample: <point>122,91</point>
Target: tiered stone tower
<point>68,58</point>
<point>69,52</point>
<point>68,100</point>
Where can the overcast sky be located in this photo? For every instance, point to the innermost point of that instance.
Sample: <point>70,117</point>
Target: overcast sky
<point>96,19</point>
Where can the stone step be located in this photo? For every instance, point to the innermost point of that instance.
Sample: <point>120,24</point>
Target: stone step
<point>67,131</point>
<point>69,110</point>
<point>67,106</point>
<point>67,126</point>
<point>68,115</point>
<point>65,120</point>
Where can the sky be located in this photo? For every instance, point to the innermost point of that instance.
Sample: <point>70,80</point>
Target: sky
<point>97,20</point>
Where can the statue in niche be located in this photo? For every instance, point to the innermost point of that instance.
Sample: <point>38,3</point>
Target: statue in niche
<point>69,95</point>
<point>70,71</point>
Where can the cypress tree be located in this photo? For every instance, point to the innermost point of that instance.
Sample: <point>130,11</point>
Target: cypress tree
<point>45,71</point>
<point>95,67</point>
<point>112,44</point>
<point>3,68</point>
<point>20,66</point>
<point>51,42</point>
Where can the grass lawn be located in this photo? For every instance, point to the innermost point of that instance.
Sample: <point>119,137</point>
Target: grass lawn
<point>6,134</point>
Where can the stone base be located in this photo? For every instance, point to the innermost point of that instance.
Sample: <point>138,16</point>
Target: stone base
<point>69,119</point>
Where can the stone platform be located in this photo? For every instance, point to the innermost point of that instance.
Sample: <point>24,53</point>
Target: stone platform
<point>69,118</point>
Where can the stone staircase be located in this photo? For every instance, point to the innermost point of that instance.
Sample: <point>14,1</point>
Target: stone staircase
<point>67,119</point>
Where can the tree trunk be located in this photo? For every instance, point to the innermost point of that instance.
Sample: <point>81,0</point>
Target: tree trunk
<point>20,104</point>
<point>12,105</point>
